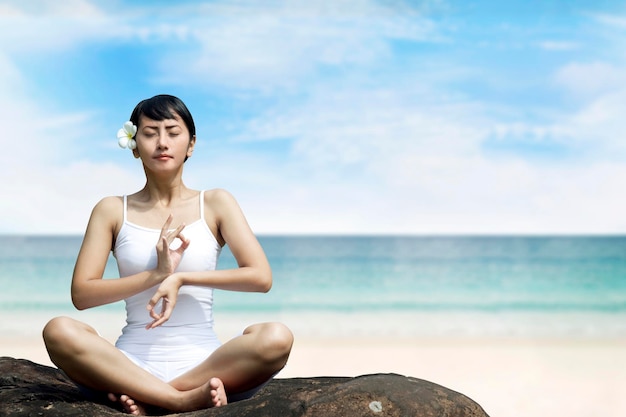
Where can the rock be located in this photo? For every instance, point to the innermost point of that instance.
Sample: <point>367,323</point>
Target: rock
<point>30,389</point>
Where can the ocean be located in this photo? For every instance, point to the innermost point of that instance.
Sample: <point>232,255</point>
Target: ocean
<point>437,286</point>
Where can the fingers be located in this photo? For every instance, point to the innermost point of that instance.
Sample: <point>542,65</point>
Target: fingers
<point>169,258</point>
<point>184,243</point>
<point>176,232</point>
<point>164,244</point>
<point>168,237</point>
<point>171,234</point>
<point>159,318</point>
<point>166,225</point>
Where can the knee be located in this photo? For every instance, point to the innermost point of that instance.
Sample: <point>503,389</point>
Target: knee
<point>58,332</point>
<point>276,342</point>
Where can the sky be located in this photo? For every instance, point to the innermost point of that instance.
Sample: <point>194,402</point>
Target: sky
<point>326,117</point>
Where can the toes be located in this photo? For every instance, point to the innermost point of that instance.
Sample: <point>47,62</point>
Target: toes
<point>218,393</point>
<point>215,383</point>
<point>128,404</point>
<point>215,398</point>
<point>126,400</point>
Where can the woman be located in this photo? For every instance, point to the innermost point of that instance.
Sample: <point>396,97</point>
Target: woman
<point>166,239</point>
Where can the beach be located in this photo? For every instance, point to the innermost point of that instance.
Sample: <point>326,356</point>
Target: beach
<point>508,377</point>
<point>524,326</point>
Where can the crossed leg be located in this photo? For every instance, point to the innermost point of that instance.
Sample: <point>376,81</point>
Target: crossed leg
<point>239,365</point>
<point>244,362</point>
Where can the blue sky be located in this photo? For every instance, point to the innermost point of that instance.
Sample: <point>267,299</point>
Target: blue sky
<point>359,117</point>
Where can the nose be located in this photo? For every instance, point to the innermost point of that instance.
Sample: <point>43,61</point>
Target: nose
<point>162,140</point>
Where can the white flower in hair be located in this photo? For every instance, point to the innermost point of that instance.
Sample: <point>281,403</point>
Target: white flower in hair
<point>126,136</point>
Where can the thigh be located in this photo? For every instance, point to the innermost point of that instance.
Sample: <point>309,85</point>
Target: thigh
<point>244,362</point>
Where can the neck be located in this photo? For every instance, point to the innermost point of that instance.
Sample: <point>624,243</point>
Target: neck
<point>164,190</point>
<point>164,183</point>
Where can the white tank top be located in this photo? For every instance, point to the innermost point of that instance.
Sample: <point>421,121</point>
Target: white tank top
<point>135,251</point>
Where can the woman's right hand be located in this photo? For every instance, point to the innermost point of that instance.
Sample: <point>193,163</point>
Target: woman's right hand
<point>168,259</point>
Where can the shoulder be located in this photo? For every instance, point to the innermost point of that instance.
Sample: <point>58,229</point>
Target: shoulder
<point>109,205</point>
<point>108,212</point>
<point>219,199</point>
<point>226,215</point>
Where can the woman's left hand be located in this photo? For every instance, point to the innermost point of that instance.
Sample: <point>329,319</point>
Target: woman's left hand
<point>168,293</point>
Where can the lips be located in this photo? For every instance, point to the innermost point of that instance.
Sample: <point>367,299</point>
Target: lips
<point>163,157</point>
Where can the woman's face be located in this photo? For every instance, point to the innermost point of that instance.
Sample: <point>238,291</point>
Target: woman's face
<point>163,144</point>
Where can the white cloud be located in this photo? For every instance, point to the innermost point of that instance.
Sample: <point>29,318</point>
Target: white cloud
<point>44,188</point>
<point>33,27</point>
<point>52,199</point>
<point>52,26</point>
<point>366,151</point>
<point>376,129</point>
<point>376,163</point>
<point>613,20</point>
<point>282,44</point>
<point>590,79</point>
<point>446,195</point>
<point>18,8</point>
<point>597,127</point>
<point>552,45</point>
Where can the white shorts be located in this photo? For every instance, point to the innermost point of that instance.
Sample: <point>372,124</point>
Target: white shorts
<point>167,370</point>
<point>168,353</point>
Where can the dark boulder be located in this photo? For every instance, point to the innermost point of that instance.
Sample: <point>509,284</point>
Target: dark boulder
<point>30,389</point>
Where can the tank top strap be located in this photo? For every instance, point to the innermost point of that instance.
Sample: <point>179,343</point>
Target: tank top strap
<point>125,208</point>
<point>202,205</point>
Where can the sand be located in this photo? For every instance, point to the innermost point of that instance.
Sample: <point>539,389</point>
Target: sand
<point>509,377</point>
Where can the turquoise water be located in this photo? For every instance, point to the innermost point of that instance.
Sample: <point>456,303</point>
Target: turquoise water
<point>480,277</point>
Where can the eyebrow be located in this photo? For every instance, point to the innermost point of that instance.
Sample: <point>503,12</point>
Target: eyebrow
<point>166,126</point>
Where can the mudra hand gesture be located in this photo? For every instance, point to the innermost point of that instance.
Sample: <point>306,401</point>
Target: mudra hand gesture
<point>168,260</point>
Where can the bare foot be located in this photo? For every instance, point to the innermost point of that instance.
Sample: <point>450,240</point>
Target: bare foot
<point>212,394</point>
<point>218,393</point>
<point>129,405</point>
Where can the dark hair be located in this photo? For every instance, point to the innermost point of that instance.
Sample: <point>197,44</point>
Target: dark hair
<point>162,107</point>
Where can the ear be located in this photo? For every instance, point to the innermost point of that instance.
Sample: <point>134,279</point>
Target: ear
<point>190,147</point>
<point>136,153</point>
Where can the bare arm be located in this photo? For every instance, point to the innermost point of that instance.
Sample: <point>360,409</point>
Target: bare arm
<point>252,275</point>
<point>88,287</point>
